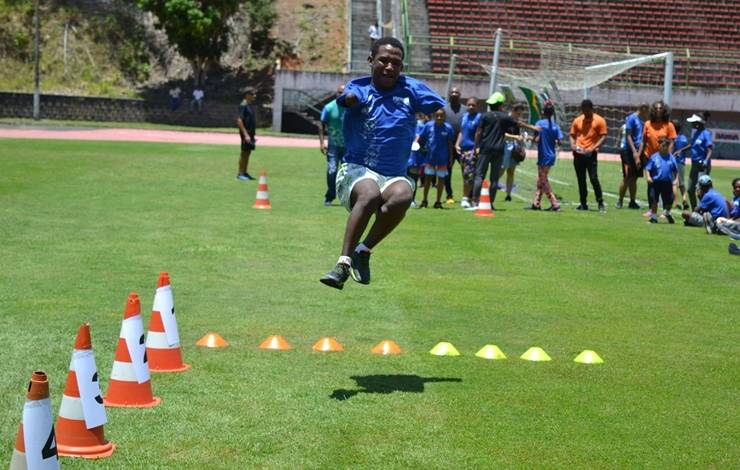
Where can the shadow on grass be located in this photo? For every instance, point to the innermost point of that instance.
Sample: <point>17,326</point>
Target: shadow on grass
<point>388,384</point>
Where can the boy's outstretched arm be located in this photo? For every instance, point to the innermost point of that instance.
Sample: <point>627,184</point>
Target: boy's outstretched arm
<point>350,99</point>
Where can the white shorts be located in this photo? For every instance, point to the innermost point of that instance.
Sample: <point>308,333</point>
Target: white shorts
<point>350,173</point>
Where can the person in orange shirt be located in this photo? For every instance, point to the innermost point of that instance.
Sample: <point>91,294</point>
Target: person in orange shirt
<point>586,136</point>
<point>658,126</point>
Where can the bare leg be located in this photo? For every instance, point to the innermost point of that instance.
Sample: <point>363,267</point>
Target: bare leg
<point>632,185</point>
<point>510,179</point>
<point>366,200</point>
<point>395,201</point>
<point>427,184</point>
<point>244,161</point>
<point>440,187</point>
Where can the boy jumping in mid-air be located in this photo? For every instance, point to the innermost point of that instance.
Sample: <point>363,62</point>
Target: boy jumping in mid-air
<point>379,127</point>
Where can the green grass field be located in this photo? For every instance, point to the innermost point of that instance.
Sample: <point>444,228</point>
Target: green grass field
<point>84,224</point>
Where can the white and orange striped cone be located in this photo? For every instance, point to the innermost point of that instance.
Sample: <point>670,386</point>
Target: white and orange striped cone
<point>80,431</point>
<point>484,204</point>
<point>130,384</point>
<point>163,340</point>
<point>35,443</point>
<point>263,197</point>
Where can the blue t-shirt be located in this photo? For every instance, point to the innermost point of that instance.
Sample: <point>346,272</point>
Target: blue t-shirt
<point>735,212</point>
<point>468,126</point>
<point>437,139</point>
<point>549,133</point>
<point>418,158</point>
<point>379,128</point>
<point>680,142</point>
<point>700,143</point>
<point>662,168</point>
<point>332,116</point>
<point>633,127</point>
<point>714,203</point>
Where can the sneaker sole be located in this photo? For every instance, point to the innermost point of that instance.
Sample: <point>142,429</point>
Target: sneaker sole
<point>331,283</point>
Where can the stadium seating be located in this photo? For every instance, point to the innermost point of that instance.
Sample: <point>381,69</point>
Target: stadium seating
<point>705,36</point>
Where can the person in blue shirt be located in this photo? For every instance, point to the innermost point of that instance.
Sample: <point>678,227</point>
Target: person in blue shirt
<point>701,155</point>
<point>465,146</point>
<point>379,125</point>
<point>731,225</point>
<point>548,138</point>
<point>680,150</point>
<point>418,156</point>
<point>438,136</point>
<point>633,127</point>
<point>331,125</point>
<point>662,173</point>
<point>711,206</point>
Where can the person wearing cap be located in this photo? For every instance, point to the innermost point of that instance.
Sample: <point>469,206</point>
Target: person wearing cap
<point>587,133</point>
<point>659,125</point>
<point>634,124</point>
<point>701,154</point>
<point>331,124</point>
<point>548,138</point>
<point>711,206</point>
<point>490,138</point>
<point>454,111</point>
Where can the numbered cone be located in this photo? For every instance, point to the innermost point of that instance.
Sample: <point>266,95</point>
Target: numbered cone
<point>386,348</point>
<point>275,343</point>
<point>484,204</point>
<point>263,198</point>
<point>163,340</point>
<point>444,349</point>
<point>212,340</point>
<point>82,415</point>
<point>535,354</point>
<point>588,357</point>
<point>35,443</point>
<point>130,384</point>
<point>328,344</point>
<point>490,351</point>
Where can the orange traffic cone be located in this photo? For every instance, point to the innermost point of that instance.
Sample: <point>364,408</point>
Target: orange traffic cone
<point>163,340</point>
<point>263,198</point>
<point>35,443</point>
<point>484,204</point>
<point>212,340</point>
<point>276,343</point>
<point>386,347</point>
<point>327,344</point>
<point>82,414</point>
<point>130,384</point>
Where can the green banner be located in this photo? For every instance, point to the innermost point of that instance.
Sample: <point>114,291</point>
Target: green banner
<point>535,107</point>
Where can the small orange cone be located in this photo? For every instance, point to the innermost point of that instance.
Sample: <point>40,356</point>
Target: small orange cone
<point>212,340</point>
<point>80,434</point>
<point>484,204</point>
<point>327,344</point>
<point>163,340</point>
<point>35,443</point>
<point>130,383</point>
<point>263,198</point>
<point>276,343</point>
<point>386,347</point>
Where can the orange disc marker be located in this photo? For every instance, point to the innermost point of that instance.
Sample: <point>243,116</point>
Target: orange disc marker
<point>276,343</point>
<point>386,347</point>
<point>74,438</point>
<point>484,205</point>
<point>35,441</point>
<point>130,384</point>
<point>162,346</point>
<point>212,340</point>
<point>327,344</point>
<point>262,200</point>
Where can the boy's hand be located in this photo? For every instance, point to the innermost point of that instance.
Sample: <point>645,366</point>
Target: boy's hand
<point>350,100</point>
<point>323,148</point>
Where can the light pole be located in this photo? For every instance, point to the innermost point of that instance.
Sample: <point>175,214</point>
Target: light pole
<point>36,60</point>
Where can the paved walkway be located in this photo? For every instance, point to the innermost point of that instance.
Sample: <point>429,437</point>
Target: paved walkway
<point>220,138</point>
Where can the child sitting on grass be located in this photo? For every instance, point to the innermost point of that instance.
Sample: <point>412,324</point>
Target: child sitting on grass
<point>662,172</point>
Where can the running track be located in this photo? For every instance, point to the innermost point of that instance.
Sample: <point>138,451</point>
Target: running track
<point>217,138</point>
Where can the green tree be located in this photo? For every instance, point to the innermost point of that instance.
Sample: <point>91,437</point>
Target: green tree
<point>199,29</point>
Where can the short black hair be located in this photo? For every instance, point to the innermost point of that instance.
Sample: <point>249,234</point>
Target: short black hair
<point>387,40</point>
<point>587,104</point>
<point>734,182</point>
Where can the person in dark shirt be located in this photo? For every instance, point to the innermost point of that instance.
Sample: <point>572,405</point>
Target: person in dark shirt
<point>454,111</point>
<point>247,126</point>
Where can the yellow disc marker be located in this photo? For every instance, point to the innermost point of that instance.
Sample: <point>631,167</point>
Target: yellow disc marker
<point>490,351</point>
<point>444,349</point>
<point>588,357</point>
<point>535,354</point>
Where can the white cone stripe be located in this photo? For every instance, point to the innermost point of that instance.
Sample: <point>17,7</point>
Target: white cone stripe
<point>18,461</point>
<point>158,340</point>
<point>263,180</point>
<point>262,195</point>
<point>71,408</point>
<point>123,371</point>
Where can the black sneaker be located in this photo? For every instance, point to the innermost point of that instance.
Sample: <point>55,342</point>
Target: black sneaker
<point>653,219</point>
<point>582,207</point>
<point>553,209</point>
<point>438,205</point>
<point>618,205</point>
<point>424,204</point>
<point>249,177</point>
<point>535,208</point>
<point>337,276</point>
<point>507,198</point>
<point>733,249</point>
<point>633,205</point>
<point>669,217</point>
<point>361,267</point>
<point>602,208</point>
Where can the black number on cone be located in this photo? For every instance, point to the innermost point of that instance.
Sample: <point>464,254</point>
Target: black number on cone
<point>50,448</point>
